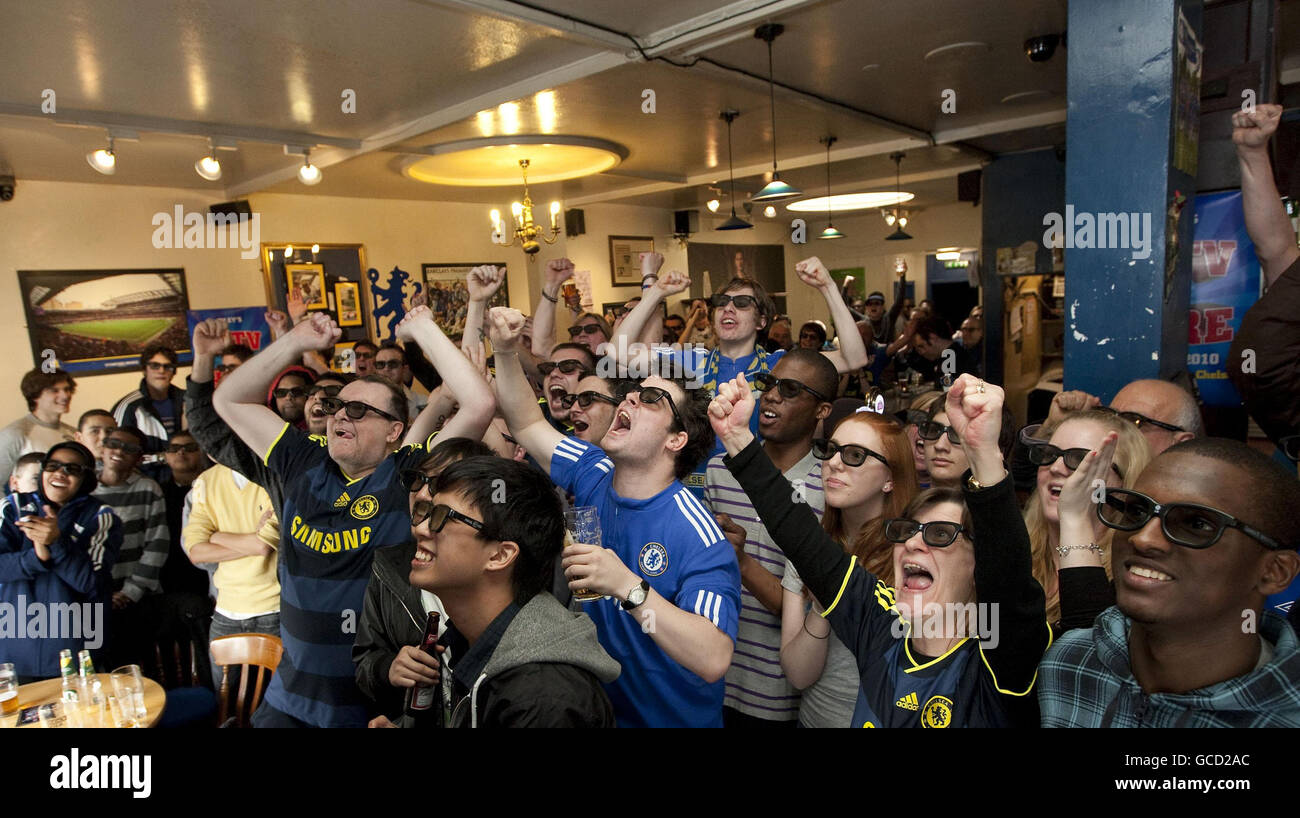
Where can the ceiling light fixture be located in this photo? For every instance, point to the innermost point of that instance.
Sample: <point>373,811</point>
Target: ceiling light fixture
<point>770,212</point>
<point>775,190</point>
<point>209,167</point>
<point>104,160</point>
<point>830,232</point>
<point>898,234</point>
<point>713,205</point>
<point>308,174</point>
<point>525,229</point>
<point>735,222</point>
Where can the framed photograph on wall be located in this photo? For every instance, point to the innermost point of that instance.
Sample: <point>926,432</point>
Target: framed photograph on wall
<point>341,263</point>
<point>448,297</point>
<point>625,258</point>
<point>91,322</point>
<point>611,310</point>
<point>347,303</point>
<point>309,279</point>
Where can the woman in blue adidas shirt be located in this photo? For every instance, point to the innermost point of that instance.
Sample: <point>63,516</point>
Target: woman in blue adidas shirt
<point>952,550</point>
<point>57,546</point>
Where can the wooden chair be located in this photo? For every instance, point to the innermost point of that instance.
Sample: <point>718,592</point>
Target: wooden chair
<point>247,650</point>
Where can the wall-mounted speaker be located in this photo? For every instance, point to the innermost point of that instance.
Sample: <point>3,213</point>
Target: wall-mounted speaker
<point>686,222</point>
<point>968,186</point>
<point>575,222</point>
<point>238,208</point>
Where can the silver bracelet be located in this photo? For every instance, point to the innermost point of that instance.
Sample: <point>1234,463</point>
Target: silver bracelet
<point>1064,550</point>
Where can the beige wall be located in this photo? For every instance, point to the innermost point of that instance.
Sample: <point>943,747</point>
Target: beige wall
<point>57,225</point>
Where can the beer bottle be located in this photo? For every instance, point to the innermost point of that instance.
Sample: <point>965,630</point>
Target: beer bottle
<point>422,700</point>
<point>68,674</point>
<point>90,685</point>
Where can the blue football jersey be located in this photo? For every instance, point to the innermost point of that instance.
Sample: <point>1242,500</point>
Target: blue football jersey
<point>672,541</point>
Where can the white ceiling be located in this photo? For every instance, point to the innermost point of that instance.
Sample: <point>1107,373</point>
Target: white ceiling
<point>269,73</point>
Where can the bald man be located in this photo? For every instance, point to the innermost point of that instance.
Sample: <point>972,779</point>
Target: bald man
<point>1165,412</point>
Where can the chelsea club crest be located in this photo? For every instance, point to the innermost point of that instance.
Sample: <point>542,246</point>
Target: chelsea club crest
<point>653,559</point>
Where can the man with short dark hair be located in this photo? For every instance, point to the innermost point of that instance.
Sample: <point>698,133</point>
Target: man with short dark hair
<point>390,362</point>
<point>518,657</point>
<point>674,326</point>
<point>341,500</point>
<point>875,312</point>
<point>1203,538</point>
<point>567,364</point>
<point>662,559</point>
<point>364,353</point>
<point>812,335</point>
<point>92,429</point>
<point>931,341</point>
<point>287,395</point>
<point>137,574</point>
<point>185,462</point>
<point>48,396</point>
<point>797,396</point>
<point>157,408</point>
<point>230,358</point>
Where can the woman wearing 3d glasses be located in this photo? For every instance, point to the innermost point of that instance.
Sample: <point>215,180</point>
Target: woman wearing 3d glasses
<point>921,663</point>
<point>1070,545</point>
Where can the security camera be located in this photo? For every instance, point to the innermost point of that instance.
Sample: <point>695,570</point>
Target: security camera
<point>1041,49</point>
<point>6,188</point>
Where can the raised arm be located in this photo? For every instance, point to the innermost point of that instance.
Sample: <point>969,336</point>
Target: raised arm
<point>558,271</point>
<point>518,403</point>
<point>1004,574</point>
<point>1266,219</point>
<point>482,283</point>
<point>627,349</point>
<point>852,353</point>
<point>477,404</point>
<point>241,398</point>
<point>820,561</point>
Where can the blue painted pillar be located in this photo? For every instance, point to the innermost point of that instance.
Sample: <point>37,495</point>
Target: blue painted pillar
<point>1131,140</point>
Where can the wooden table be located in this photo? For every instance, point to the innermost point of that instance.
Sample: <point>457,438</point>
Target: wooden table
<point>48,691</point>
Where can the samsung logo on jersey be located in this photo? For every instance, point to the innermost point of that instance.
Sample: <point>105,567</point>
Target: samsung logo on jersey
<point>91,772</point>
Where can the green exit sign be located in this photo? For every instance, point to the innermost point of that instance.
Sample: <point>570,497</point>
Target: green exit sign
<point>955,264</point>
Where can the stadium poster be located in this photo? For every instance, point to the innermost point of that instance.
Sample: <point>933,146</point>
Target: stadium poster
<point>99,321</point>
<point>1225,283</point>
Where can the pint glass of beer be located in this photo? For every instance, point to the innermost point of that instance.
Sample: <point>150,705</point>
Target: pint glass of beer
<point>582,525</point>
<point>8,689</point>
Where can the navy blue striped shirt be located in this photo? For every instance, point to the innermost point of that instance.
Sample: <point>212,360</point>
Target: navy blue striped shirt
<point>329,530</point>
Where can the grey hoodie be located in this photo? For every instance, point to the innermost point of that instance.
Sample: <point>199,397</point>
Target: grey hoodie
<point>545,672</point>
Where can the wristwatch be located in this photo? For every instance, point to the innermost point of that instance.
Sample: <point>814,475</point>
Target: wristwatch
<point>637,595</point>
<point>973,484</point>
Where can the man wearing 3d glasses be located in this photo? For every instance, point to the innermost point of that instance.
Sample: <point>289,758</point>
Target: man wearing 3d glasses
<point>341,501</point>
<point>1202,539</point>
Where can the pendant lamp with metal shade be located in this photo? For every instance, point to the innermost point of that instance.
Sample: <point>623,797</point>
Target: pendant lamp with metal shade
<point>775,190</point>
<point>898,234</point>
<point>830,232</point>
<point>735,222</point>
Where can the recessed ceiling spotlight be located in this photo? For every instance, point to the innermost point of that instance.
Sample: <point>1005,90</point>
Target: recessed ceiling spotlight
<point>104,160</point>
<point>957,51</point>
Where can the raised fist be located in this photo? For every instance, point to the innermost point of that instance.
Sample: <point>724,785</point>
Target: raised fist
<point>483,282</point>
<point>506,327</point>
<point>650,263</point>
<point>414,316</point>
<point>317,331</point>
<point>813,273</point>
<point>671,283</point>
<point>558,271</point>
<point>1252,129</point>
<point>211,336</point>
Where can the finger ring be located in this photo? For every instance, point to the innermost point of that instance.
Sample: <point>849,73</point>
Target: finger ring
<point>979,388</point>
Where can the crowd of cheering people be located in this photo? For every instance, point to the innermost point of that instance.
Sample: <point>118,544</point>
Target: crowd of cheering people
<point>775,550</point>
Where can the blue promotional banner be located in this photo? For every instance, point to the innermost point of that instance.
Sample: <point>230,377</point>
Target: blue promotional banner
<point>247,325</point>
<point>1225,283</point>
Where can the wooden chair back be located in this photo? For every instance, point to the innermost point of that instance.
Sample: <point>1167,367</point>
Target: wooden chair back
<point>176,663</point>
<point>247,650</point>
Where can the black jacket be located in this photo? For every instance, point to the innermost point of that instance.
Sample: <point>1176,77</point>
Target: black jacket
<point>546,670</point>
<point>392,616</point>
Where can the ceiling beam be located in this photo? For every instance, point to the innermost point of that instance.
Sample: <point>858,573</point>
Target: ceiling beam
<point>184,127</point>
<point>996,126</point>
<point>563,25</point>
<point>723,25</point>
